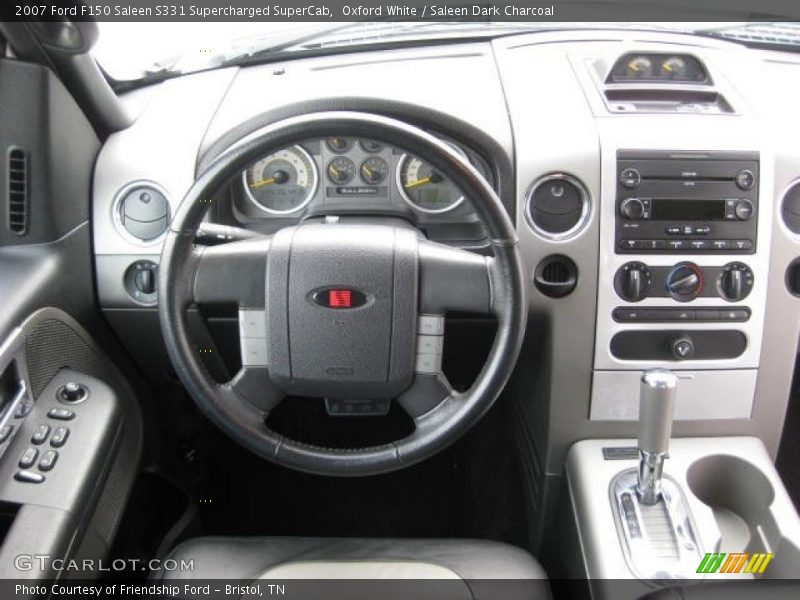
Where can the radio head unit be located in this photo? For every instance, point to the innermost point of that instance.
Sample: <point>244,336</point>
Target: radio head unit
<point>674,202</point>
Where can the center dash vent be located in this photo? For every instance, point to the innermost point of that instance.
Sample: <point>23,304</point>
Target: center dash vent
<point>17,190</point>
<point>556,276</point>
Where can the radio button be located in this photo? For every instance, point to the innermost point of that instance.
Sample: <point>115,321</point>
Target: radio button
<point>630,178</point>
<point>673,230</point>
<point>741,244</point>
<point>677,244</point>
<point>699,244</point>
<point>745,179</point>
<point>744,210</point>
<point>654,244</point>
<point>720,244</point>
<point>702,230</point>
<point>630,244</point>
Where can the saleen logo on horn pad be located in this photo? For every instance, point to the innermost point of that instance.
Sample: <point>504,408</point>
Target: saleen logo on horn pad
<point>339,298</point>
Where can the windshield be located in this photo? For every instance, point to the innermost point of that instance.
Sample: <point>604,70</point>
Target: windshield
<point>142,51</point>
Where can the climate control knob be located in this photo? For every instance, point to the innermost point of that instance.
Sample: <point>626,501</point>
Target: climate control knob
<point>735,281</point>
<point>685,282</point>
<point>632,281</point>
<point>632,209</point>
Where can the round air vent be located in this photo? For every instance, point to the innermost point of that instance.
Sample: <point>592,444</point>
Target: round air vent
<point>790,207</point>
<point>557,206</point>
<point>142,211</point>
<point>556,276</point>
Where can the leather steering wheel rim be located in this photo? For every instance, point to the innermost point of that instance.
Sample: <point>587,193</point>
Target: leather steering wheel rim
<point>244,421</point>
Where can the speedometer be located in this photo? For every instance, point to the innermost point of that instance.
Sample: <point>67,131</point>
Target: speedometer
<point>426,189</point>
<point>283,182</point>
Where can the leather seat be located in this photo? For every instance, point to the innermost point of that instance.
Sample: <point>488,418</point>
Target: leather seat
<point>353,567</point>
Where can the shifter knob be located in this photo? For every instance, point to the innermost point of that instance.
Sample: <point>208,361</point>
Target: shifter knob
<point>656,407</point>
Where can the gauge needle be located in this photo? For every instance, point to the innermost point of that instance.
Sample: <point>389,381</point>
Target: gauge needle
<point>262,183</point>
<point>666,67</point>
<point>333,171</point>
<point>367,170</point>
<point>418,183</point>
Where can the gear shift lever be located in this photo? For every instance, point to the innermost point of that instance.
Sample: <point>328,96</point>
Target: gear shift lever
<point>656,407</point>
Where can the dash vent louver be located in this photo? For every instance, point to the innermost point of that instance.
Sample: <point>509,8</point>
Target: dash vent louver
<point>17,183</point>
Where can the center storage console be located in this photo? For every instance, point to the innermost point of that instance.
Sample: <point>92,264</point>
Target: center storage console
<point>737,511</point>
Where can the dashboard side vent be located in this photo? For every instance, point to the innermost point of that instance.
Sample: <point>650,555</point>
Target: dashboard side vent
<point>17,184</point>
<point>556,276</point>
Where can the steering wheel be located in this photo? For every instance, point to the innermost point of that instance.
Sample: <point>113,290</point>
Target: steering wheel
<point>342,310</point>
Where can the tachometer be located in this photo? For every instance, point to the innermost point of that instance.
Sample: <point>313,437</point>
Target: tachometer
<point>426,189</point>
<point>283,182</point>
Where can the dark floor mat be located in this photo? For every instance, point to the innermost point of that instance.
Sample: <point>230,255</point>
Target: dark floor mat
<point>471,490</point>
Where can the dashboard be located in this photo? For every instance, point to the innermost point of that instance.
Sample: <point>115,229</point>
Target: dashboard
<point>652,178</point>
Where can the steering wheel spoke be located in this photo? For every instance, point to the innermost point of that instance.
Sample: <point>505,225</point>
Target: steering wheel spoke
<point>254,385</point>
<point>454,280</point>
<point>232,273</point>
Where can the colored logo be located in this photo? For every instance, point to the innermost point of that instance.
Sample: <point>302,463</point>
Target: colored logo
<point>339,298</point>
<point>734,562</point>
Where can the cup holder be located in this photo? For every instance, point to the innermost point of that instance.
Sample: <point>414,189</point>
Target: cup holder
<point>740,496</point>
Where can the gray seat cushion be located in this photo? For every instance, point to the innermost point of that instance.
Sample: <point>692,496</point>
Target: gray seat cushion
<point>352,567</point>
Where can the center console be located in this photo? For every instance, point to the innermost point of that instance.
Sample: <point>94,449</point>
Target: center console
<point>682,281</point>
<point>657,511</point>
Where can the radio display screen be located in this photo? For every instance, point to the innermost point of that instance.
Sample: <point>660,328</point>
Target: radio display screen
<point>688,210</point>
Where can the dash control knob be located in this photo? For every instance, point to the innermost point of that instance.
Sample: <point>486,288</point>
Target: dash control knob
<point>632,281</point>
<point>632,209</point>
<point>685,282</point>
<point>682,347</point>
<point>735,282</point>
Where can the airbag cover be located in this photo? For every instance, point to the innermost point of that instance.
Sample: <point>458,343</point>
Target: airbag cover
<point>341,306</point>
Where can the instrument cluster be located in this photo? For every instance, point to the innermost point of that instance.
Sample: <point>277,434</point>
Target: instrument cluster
<point>345,174</point>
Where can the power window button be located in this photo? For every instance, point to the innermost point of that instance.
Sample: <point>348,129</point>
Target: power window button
<point>48,461</point>
<point>40,434</point>
<point>28,458</point>
<point>59,438</point>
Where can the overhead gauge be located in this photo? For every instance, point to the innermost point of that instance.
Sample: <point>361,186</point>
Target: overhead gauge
<point>674,68</point>
<point>426,189</point>
<point>339,145</point>
<point>341,170</point>
<point>639,67</point>
<point>373,170</point>
<point>283,182</point>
